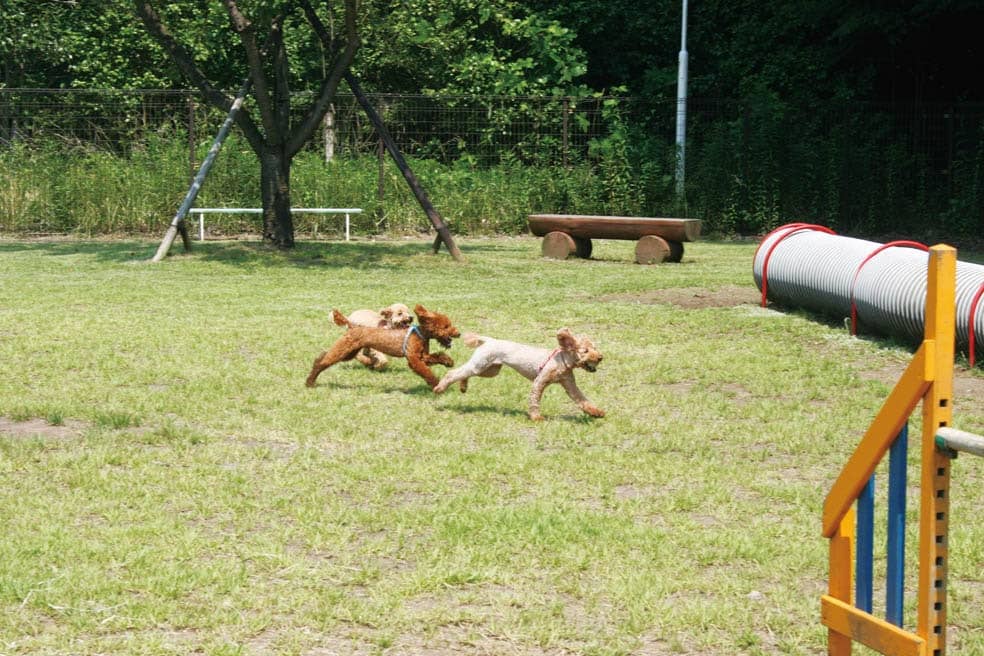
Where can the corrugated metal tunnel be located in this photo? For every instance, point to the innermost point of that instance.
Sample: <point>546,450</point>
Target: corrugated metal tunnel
<point>882,287</point>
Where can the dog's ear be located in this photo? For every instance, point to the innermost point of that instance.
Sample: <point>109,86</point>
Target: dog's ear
<point>566,340</point>
<point>420,310</point>
<point>386,313</point>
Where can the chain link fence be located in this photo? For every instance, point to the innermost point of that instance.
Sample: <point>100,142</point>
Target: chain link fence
<point>446,128</point>
<point>750,164</point>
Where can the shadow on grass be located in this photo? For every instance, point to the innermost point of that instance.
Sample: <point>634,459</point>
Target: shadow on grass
<point>886,342</point>
<point>373,387</point>
<point>484,408</point>
<point>250,254</point>
<point>104,251</point>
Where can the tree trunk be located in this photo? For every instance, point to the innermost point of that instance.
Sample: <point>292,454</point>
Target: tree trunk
<point>278,224</point>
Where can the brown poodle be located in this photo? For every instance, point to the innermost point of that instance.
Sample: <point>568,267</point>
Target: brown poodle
<point>396,315</point>
<point>412,343</point>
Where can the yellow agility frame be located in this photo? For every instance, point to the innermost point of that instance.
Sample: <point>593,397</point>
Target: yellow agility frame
<point>928,378</point>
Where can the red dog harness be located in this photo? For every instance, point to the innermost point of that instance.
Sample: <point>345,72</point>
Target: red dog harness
<point>549,358</point>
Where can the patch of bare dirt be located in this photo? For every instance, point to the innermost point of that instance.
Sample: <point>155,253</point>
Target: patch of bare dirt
<point>693,298</point>
<point>968,389</point>
<point>968,393</point>
<point>40,428</point>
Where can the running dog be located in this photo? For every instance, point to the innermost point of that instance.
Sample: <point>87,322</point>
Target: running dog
<point>540,365</point>
<point>396,315</point>
<point>412,343</point>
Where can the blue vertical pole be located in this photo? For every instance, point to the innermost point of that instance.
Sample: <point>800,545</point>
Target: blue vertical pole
<point>895,569</point>
<point>865,543</point>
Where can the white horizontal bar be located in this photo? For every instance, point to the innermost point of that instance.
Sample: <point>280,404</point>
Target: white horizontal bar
<point>202,211</point>
<point>959,440</point>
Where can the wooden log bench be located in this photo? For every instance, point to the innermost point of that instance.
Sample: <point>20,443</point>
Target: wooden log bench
<point>657,240</point>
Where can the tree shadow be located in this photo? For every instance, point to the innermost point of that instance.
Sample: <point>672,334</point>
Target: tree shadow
<point>103,251</point>
<point>243,254</point>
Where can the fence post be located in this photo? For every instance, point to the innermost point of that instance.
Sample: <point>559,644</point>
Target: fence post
<point>330,133</point>
<point>191,137</point>
<point>380,185</point>
<point>564,137</point>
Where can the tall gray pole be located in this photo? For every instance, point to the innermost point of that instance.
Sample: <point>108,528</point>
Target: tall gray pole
<point>681,118</point>
<point>196,184</point>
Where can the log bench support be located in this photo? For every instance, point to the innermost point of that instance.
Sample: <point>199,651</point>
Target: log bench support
<point>657,240</point>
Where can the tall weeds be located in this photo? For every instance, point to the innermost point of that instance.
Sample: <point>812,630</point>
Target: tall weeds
<point>91,192</point>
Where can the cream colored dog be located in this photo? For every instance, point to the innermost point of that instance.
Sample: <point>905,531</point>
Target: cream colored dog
<point>396,315</point>
<point>542,366</point>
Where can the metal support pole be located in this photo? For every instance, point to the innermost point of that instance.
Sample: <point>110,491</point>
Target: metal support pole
<point>177,223</point>
<point>443,233</point>
<point>681,117</point>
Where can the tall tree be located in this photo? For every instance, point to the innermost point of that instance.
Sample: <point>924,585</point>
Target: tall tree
<point>280,131</point>
<point>485,47</point>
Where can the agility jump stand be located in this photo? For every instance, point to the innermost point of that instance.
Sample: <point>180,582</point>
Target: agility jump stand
<point>848,509</point>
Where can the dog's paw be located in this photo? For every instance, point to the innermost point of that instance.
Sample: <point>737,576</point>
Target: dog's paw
<point>442,359</point>
<point>536,416</point>
<point>463,386</point>
<point>592,410</point>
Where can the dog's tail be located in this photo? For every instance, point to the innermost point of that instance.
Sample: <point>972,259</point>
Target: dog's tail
<point>473,340</point>
<point>340,319</point>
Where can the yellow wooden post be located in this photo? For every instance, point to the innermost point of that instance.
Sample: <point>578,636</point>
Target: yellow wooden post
<point>841,575</point>
<point>935,479</point>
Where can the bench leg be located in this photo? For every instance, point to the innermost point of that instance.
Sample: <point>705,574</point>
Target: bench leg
<point>582,247</point>
<point>557,245</point>
<point>651,249</point>
<point>676,251</point>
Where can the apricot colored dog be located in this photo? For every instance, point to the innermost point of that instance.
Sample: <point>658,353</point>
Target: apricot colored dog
<point>540,365</point>
<point>412,343</point>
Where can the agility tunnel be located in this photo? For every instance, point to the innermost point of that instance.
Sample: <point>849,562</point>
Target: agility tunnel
<point>880,287</point>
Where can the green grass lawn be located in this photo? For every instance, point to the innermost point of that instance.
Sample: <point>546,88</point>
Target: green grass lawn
<point>169,486</point>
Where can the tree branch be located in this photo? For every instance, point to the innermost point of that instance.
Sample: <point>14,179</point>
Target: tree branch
<point>254,59</point>
<point>180,55</point>
<point>281,75</point>
<point>303,130</point>
<point>319,28</point>
<point>185,62</point>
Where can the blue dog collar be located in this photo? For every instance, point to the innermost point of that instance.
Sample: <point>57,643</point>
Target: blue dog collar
<point>406,338</point>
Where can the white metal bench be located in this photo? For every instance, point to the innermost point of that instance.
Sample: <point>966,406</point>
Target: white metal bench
<point>202,211</point>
